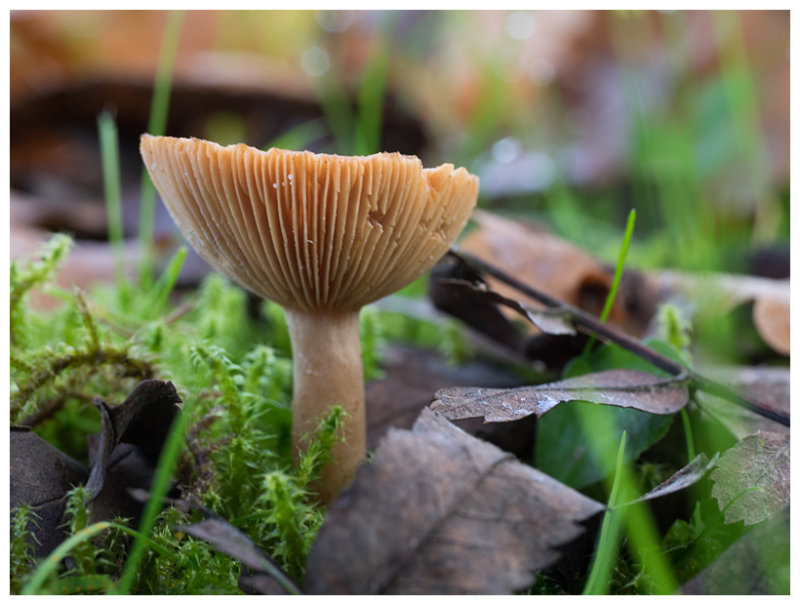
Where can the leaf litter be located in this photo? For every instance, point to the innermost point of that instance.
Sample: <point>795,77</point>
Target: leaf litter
<point>620,388</point>
<point>441,512</point>
<point>122,456</point>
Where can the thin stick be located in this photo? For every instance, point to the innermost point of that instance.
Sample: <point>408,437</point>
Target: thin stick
<point>590,324</point>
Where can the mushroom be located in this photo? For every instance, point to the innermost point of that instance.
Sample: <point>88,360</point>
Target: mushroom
<point>322,235</point>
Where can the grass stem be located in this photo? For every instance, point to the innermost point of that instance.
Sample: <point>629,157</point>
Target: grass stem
<point>157,125</point>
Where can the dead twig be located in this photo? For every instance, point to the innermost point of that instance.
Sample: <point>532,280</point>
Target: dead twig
<point>592,325</point>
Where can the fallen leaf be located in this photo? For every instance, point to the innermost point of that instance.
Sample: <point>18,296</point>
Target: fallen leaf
<point>751,481</point>
<point>548,321</point>
<point>143,419</point>
<point>40,476</point>
<point>767,385</point>
<point>621,388</point>
<point>555,266</point>
<point>757,563</point>
<point>441,512</point>
<point>685,477</point>
<point>266,576</point>
<point>771,317</point>
<point>471,305</point>
<point>410,377</point>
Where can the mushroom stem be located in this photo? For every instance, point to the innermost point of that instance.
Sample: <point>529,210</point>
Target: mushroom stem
<point>326,350</point>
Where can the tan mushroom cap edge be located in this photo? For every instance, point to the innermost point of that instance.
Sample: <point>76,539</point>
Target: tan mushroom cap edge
<point>311,231</point>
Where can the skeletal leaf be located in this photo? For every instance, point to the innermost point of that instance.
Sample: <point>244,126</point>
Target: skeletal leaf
<point>751,481</point>
<point>441,512</point>
<point>621,388</point>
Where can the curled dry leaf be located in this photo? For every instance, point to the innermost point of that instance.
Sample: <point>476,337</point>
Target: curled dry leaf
<point>556,266</point>
<point>441,512</point>
<point>685,477</point>
<point>143,420</point>
<point>771,317</point>
<point>751,481</point>
<point>548,321</point>
<point>621,388</point>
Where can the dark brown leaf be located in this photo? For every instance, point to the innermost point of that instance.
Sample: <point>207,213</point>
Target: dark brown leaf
<point>548,321</point>
<point>622,388</point>
<point>751,481</point>
<point>143,419</point>
<point>40,476</point>
<point>441,512</point>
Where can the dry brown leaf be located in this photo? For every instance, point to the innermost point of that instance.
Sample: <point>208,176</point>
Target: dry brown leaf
<point>548,263</point>
<point>441,512</point>
<point>143,419</point>
<point>767,385</point>
<point>771,317</point>
<point>621,388</point>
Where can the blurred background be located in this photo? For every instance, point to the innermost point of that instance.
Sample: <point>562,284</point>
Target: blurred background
<point>569,118</point>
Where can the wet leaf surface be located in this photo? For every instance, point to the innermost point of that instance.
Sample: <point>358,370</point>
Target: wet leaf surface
<point>621,388</point>
<point>440,512</point>
<point>757,563</point>
<point>751,481</point>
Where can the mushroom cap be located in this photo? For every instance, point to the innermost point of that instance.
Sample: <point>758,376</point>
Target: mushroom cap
<point>310,231</point>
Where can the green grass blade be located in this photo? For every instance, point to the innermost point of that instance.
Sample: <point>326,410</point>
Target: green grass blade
<point>608,542</point>
<point>157,126</point>
<point>49,565</point>
<point>335,104</point>
<point>372,92</point>
<point>163,287</point>
<point>166,464</point>
<point>109,154</point>
<point>299,137</point>
<point>612,292</point>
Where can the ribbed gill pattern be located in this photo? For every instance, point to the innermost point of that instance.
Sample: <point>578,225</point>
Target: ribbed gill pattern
<point>310,231</point>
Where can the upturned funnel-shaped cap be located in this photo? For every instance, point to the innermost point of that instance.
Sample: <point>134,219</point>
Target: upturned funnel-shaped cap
<point>311,231</point>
